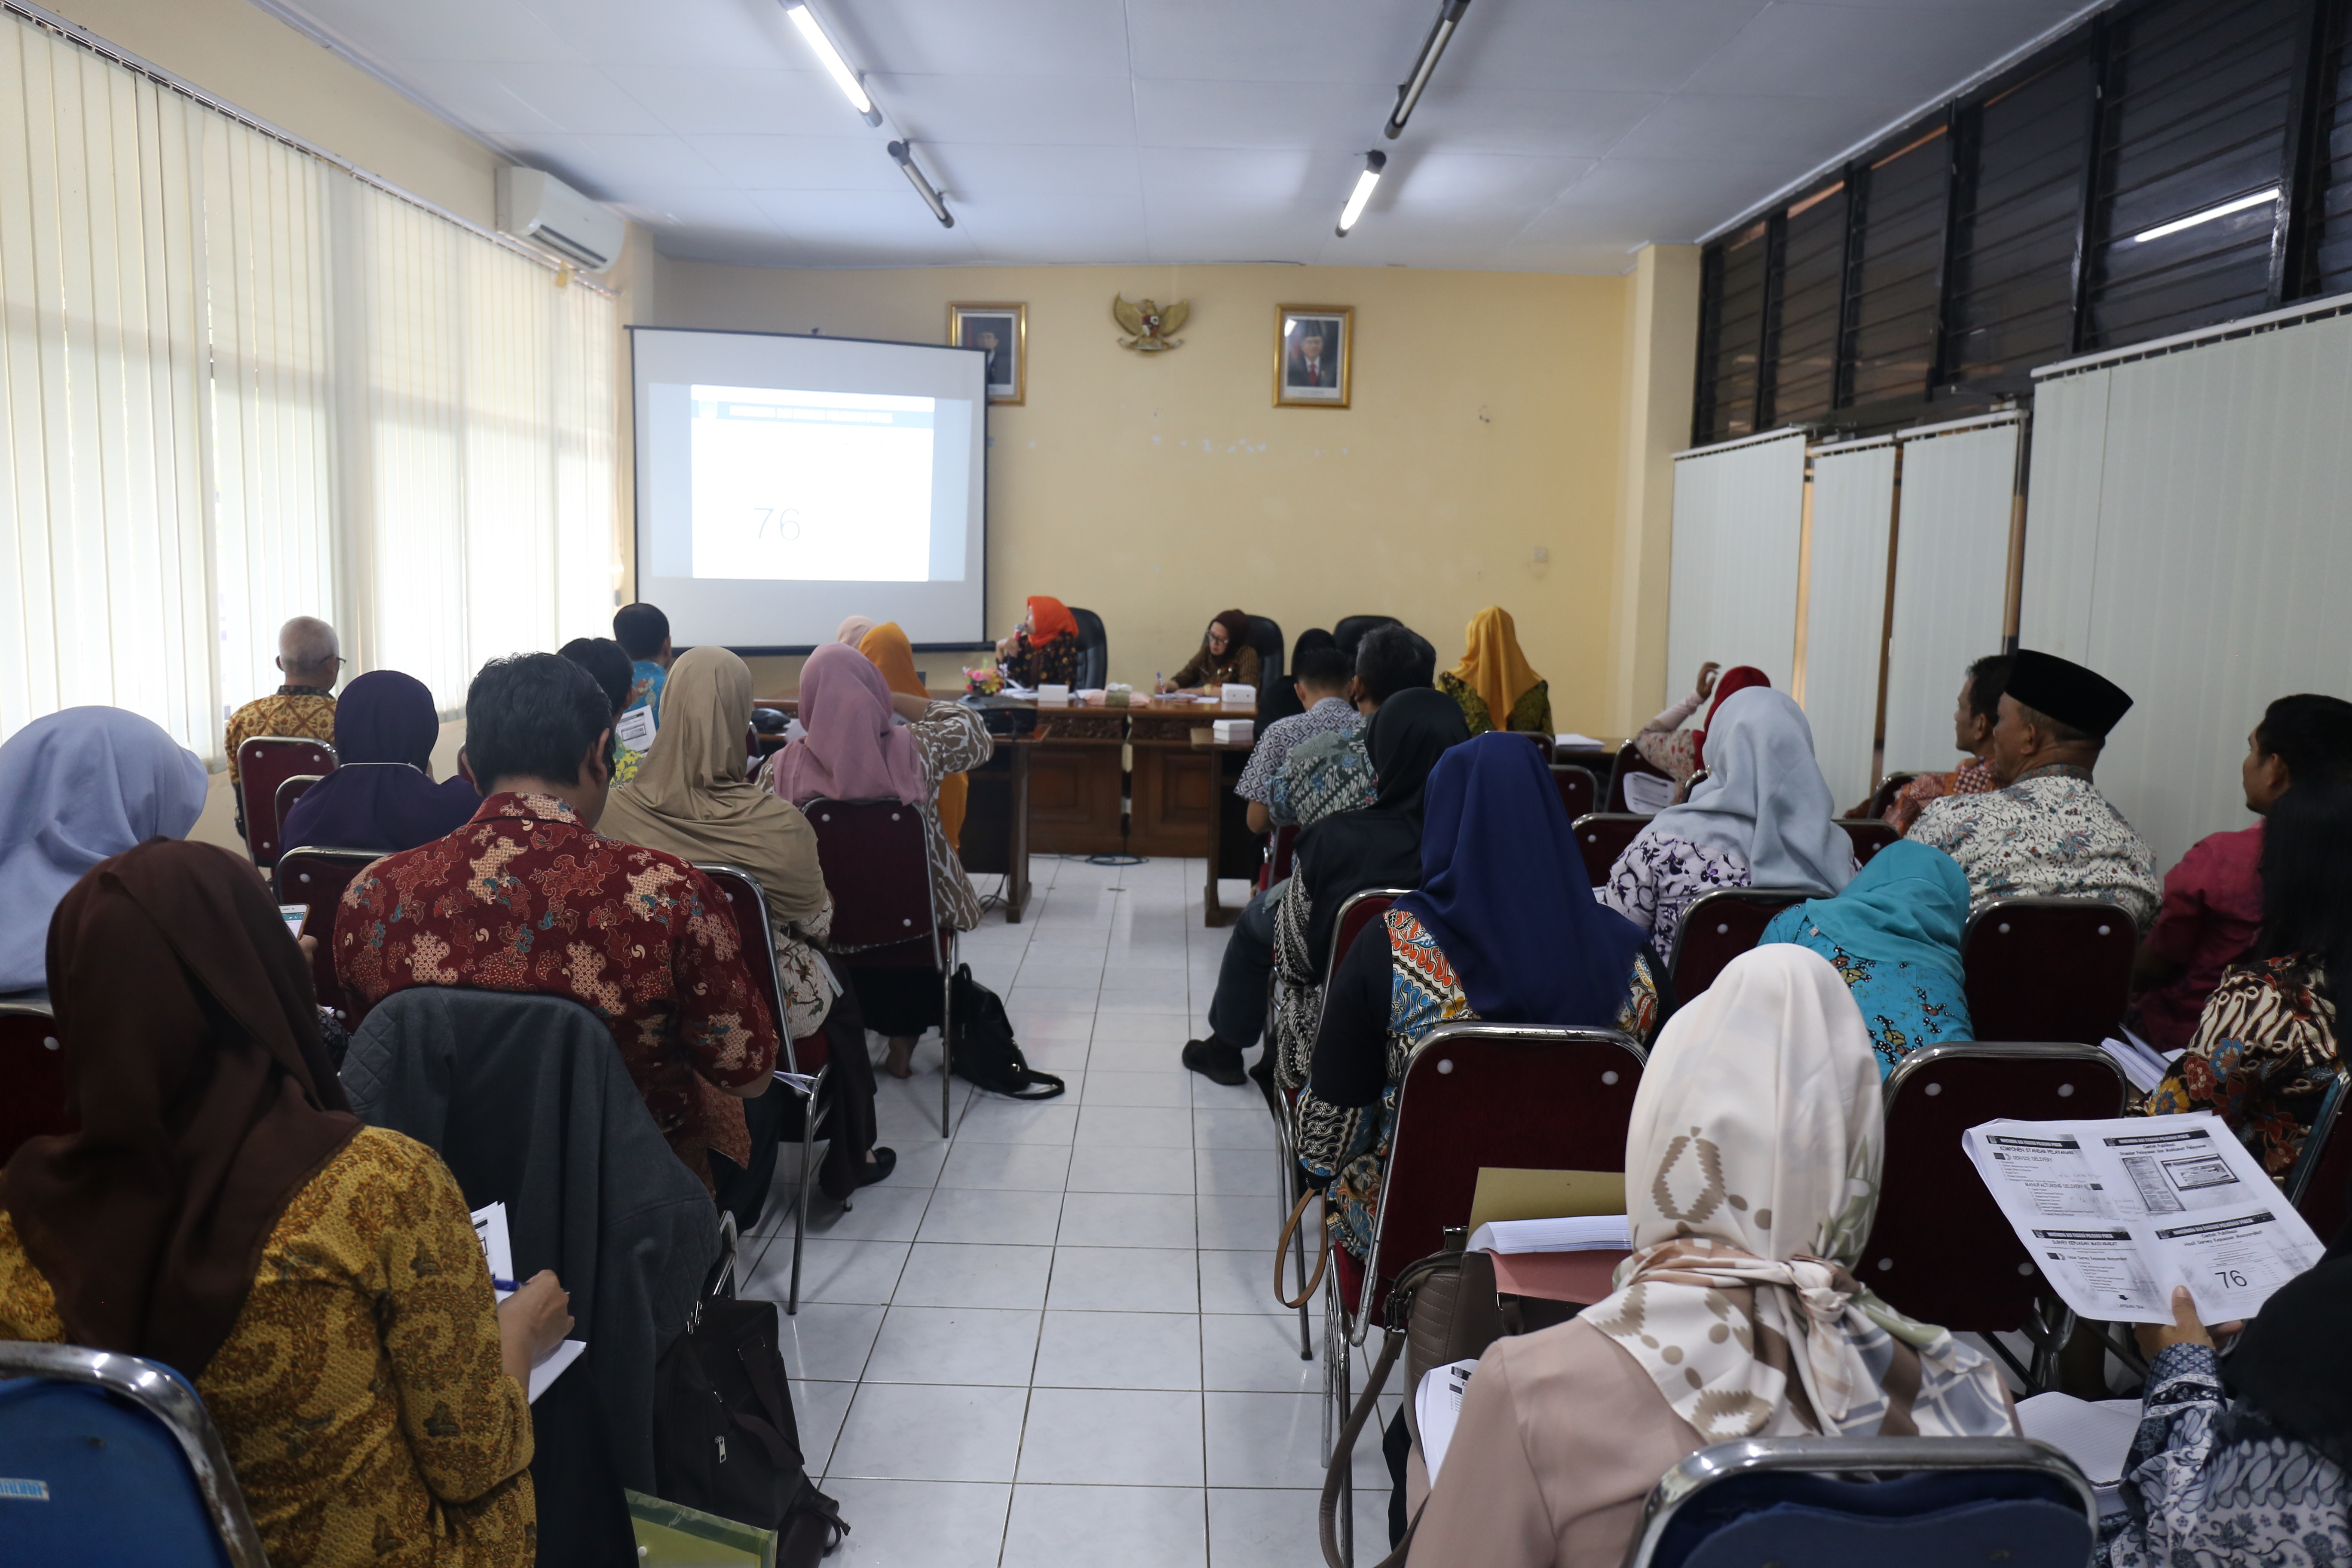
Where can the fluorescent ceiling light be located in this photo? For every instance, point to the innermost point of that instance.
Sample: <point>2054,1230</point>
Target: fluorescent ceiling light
<point>1374,164</point>
<point>2208,216</point>
<point>835,66</point>
<point>923,186</point>
<point>1409,91</point>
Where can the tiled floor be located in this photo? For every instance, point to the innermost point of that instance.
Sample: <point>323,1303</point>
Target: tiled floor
<point>1053,1339</point>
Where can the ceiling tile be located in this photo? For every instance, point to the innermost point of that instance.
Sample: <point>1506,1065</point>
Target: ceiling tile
<point>753,99</point>
<point>1071,112</point>
<point>443,30</point>
<point>535,99</point>
<point>1798,133</point>
<point>1332,116</point>
<point>801,162</point>
<point>1805,50</point>
<point>1298,40</point>
<point>1617,46</point>
<point>1001,38</point>
<point>1575,124</point>
<point>598,163</point>
<point>677,32</point>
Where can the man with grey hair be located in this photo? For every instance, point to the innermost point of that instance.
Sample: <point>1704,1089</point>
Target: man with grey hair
<point>311,660</point>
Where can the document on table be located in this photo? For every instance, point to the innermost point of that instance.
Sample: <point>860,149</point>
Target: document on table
<point>2116,1213</point>
<point>497,1251</point>
<point>1437,1408</point>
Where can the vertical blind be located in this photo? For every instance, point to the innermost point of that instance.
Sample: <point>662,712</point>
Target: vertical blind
<point>238,384</point>
<point>1845,609</point>
<point>1731,591</point>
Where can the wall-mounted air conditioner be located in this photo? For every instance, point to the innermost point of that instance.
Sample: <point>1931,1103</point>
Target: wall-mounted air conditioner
<point>537,207</point>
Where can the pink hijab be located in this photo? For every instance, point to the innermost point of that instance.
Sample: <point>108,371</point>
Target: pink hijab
<point>852,750</point>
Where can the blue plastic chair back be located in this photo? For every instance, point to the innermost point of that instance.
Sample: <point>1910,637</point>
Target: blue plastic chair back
<point>1951,1519</point>
<point>93,1477</point>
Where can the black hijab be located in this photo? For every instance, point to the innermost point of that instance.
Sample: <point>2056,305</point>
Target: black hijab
<point>1380,845</point>
<point>2293,1365</point>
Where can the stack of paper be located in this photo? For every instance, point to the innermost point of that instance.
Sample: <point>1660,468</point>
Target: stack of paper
<point>1581,1233</point>
<point>1647,794</point>
<point>1577,742</point>
<point>1237,696</point>
<point>1053,697</point>
<point>1437,1409</point>
<point>1568,1259</point>
<point>2143,1064</point>
<point>2096,1436</point>
<point>1234,731</point>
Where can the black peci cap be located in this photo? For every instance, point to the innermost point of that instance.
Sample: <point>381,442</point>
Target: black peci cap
<point>2066,692</point>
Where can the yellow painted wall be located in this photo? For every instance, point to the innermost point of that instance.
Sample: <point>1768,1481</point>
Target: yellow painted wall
<point>1156,490</point>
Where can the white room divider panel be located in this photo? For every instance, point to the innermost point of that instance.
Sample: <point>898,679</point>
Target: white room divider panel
<point>1739,515</point>
<point>2195,534</point>
<point>1845,607</point>
<point>1951,577</point>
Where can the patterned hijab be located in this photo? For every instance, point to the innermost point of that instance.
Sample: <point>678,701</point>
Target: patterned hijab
<point>77,786</point>
<point>853,749</point>
<point>1909,905</point>
<point>1764,799</point>
<point>1752,1171</point>
<point>1492,665</point>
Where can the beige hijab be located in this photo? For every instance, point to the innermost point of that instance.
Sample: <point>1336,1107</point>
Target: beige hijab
<point>1751,1174</point>
<point>691,797</point>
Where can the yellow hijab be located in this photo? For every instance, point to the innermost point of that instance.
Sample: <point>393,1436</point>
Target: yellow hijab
<point>1492,665</point>
<point>889,651</point>
<point>691,797</point>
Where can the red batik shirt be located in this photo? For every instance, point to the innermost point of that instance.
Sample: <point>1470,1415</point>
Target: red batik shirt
<point>523,897</point>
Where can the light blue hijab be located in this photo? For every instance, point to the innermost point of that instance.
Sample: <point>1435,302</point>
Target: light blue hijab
<point>1907,906</point>
<point>76,787</point>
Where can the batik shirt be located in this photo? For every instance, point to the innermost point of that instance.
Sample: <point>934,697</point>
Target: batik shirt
<point>1971,777</point>
<point>525,899</point>
<point>1666,746</point>
<point>1658,878</point>
<point>1904,1004</point>
<point>1053,664</point>
<point>2051,834</point>
<point>1349,1144</point>
<point>1331,716</point>
<point>2209,1481</point>
<point>2262,1057</point>
<point>298,713</point>
<point>1322,774</point>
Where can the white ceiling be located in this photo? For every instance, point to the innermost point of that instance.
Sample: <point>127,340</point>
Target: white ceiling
<point>1559,135</point>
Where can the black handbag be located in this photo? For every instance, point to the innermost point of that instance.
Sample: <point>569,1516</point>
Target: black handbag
<point>985,1050</point>
<point>724,1440</point>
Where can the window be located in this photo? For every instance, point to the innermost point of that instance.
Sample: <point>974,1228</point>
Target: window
<point>1899,268</point>
<point>1813,287</point>
<point>1731,331</point>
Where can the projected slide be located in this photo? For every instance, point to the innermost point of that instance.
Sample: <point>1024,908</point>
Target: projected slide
<point>812,486</point>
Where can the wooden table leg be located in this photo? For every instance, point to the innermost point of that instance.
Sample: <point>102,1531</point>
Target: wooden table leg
<point>1213,913</point>
<point>1016,873</point>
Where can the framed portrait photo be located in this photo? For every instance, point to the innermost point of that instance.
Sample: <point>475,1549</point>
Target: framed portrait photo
<point>1314,355</point>
<point>1001,332</point>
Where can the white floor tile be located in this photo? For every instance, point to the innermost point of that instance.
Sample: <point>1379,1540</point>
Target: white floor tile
<point>919,1157</point>
<point>1127,1220</point>
<point>1095,1168</point>
<point>1260,1527</point>
<point>995,1120</point>
<point>1245,1127</point>
<point>1030,1167</point>
<point>854,1271</point>
<point>918,1525</point>
<point>1118,1350</point>
<point>1241,1221</point>
<point>1242,1281</point>
<point>1007,1218</point>
<point>1273,1440</point>
<point>827,1341</point>
<point>1234,1172</point>
<point>1133,1527</point>
<point>1116,1053</point>
<point>940,1275</point>
<point>1100,1436</point>
<point>1171,1088</point>
<point>955,1344</point>
<point>1134,1126</point>
<point>818,1408</point>
<point>888,1212</point>
<point>930,1432</point>
<point>1240,1354</point>
<point>1123,1279</point>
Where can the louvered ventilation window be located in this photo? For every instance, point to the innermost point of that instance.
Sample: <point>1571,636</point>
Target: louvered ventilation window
<point>2194,121</point>
<point>1805,333</point>
<point>1731,334</point>
<point>2331,253</point>
<point>1900,258</point>
<point>2011,296</point>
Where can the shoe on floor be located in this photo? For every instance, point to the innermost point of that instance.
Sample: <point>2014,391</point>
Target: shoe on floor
<point>1262,1069</point>
<point>885,1161</point>
<point>1216,1061</point>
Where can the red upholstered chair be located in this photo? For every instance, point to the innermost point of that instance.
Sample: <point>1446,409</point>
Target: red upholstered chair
<point>1475,1095</point>
<point>34,1068</point>
<point>315,877</point>
<point>1888,788</point>
<point>291,790</point>
<point>1940,1250</point>
<point>1629,762</point>
<point>747,901</point>
<point>1579,791</point>
<point>2048,969</point>
<point>2317,1186</point>
<point>1279,847</point>
<point>1869,834</point>
<point>878,871</point>
<point>263,764</point>
<point>1718,928</point>
<point>1601,836</point>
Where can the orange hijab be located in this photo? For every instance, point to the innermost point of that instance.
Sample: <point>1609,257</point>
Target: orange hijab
<point>1049,619</point>
<point>1492,665</point>
<point>889,651</point>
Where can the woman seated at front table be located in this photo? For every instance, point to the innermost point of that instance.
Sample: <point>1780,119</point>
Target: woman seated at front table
<point>1495,684</point>
<point>222,1211</point>
<point>1503,928</point>
<point>2266,1047</point>
<point>1737,1316</point>
<point>381,795</point>
<point>1762,818</point>
<point>864,742</point>
<point>1894,936</point>
<point>693,799</point>
<point>1043,648</point>
<point>1224,658</point>
<point>77,786</point>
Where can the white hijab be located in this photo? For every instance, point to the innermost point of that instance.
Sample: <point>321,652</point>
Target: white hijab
<point>1764,798</point>
<point>1752,1171</point>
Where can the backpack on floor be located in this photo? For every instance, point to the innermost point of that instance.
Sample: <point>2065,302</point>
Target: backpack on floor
<point>725,1439</point>
<point>985,1050</point>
